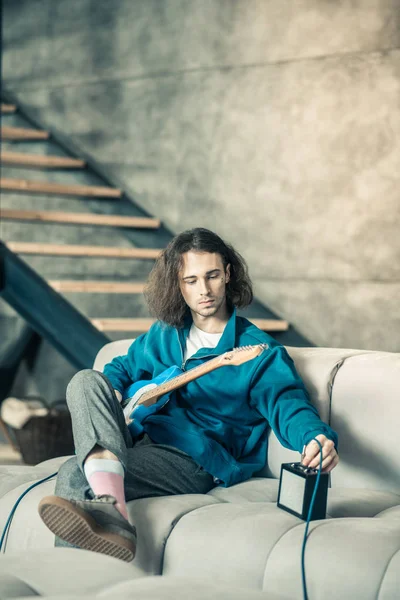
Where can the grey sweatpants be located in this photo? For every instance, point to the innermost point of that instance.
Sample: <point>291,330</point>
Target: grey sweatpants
<point>150,469</point>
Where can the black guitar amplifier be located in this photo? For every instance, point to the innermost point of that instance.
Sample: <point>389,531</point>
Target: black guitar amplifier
<point>296,487</point>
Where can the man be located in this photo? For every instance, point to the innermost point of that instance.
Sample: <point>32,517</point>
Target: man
<point>213,431</point>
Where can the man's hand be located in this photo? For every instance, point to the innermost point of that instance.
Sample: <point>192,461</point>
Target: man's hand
<point>330,457</point>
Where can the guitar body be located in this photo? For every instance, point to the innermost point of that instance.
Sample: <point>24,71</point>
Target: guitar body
<point>131,396</point>
<point>141,399</point>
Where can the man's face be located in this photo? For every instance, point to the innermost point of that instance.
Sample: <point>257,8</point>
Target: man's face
<point>203,282</point>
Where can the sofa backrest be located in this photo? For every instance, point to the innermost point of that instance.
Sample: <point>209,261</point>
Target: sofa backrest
<point>365,412</point>
<point>110,351</point>
<point>358,393</point>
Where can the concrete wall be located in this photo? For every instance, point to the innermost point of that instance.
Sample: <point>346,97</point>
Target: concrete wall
<point>276,123</point>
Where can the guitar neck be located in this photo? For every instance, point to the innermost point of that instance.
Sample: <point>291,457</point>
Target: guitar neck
<point>179,381</point>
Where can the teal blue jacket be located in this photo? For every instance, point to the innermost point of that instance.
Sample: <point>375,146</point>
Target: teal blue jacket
<point>222,419</point>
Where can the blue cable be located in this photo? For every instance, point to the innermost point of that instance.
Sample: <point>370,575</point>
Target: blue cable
<point>303,549</point>
<point>14,508</point>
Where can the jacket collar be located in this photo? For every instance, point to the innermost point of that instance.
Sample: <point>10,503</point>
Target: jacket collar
<point>228,338</point>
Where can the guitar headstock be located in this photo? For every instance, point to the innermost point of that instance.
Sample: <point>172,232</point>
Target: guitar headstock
<point>242,354</point>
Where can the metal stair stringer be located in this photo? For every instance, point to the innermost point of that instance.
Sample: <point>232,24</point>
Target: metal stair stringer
<point>48,312</point>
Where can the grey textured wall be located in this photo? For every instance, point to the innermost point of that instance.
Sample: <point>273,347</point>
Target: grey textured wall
<point>274,122</point>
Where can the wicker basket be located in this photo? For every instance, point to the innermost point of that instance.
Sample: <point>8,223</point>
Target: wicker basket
<point>46,437</point>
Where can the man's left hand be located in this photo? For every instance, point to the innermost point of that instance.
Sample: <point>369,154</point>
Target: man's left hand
<point>330,457</point>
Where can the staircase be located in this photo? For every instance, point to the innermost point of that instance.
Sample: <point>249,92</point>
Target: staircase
<point>81,247</point>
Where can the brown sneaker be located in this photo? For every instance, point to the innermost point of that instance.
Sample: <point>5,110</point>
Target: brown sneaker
<point>95,525</point>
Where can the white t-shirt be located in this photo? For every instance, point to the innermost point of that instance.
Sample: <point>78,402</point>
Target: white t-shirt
<point>200,339</point>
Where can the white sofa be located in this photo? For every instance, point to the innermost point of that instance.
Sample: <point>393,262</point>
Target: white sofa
<point>234,542</point>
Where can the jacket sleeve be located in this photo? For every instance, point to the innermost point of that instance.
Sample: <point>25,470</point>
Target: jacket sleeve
<point>279,395</point>
<point>122,371</point>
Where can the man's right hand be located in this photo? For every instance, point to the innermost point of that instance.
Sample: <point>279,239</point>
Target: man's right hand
<point>119,396</point>
<point>330,457</point>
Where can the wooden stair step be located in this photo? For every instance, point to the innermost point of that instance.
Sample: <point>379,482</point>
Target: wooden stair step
<point>138,325</point>
<point>22,133</point>
<point>41,161</point>
<point>49,187</point>
<point>144,324</point>
<point>8,108</point>
<point>79,218</point>
<point>95,287</point>
<point>78,250</point>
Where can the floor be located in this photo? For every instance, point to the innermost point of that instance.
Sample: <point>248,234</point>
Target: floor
<point>9,456</point>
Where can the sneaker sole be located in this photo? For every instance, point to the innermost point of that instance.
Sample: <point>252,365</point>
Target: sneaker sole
<point>77,527</point>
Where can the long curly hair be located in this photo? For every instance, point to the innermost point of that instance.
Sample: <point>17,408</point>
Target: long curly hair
<point>162,291</point>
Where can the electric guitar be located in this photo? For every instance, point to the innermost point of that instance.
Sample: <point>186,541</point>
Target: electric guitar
<point>144,398</point>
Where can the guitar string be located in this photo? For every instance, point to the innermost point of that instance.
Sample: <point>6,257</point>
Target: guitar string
<point>186,375</point>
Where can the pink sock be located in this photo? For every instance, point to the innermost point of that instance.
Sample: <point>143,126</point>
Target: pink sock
<point>104,481</point>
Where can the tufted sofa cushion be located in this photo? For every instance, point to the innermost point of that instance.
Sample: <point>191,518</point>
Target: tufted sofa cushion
<point>78,574</point>
<point>237,536</point>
